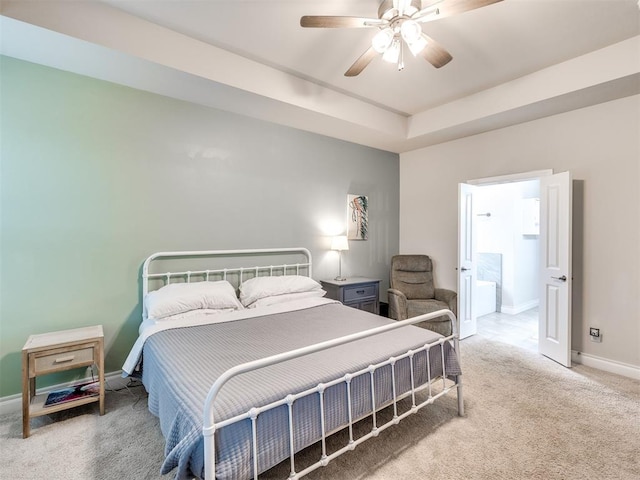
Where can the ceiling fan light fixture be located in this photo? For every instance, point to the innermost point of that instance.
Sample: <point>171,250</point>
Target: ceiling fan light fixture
<point>417,46</point>
<point>382,40</point>
<point>411,31</point>
<point>392,54</point>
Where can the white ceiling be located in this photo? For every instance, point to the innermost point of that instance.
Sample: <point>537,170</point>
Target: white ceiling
<point>490,45</point>
<point>509,50</point>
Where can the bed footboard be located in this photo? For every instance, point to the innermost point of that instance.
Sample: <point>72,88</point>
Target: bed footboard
<point>210,425</point>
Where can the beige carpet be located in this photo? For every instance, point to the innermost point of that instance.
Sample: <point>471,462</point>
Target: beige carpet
<point>526,418</point>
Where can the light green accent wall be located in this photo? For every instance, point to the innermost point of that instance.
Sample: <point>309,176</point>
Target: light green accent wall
<point>97,176</point>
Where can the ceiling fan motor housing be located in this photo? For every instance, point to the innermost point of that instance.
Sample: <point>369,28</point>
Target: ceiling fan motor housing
<point>387,11</point>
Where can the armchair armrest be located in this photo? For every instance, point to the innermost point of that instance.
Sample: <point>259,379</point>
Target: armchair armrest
<point>449,297</point>
<point>397,304</point>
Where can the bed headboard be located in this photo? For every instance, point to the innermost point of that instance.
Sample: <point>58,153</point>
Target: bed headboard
<point>235,266</point>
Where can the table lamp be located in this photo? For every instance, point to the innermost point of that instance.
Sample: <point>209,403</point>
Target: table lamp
<point>340,243</point>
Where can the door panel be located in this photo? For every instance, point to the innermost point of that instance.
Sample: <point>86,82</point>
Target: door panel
<point>555,268</point>
<point>467,263</point>
<point>552,313</point>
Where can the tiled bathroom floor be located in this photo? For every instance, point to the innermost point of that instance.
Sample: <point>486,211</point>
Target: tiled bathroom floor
<point>520,330</point>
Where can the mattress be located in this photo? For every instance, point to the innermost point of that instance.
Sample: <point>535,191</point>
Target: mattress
<point>178,365</point>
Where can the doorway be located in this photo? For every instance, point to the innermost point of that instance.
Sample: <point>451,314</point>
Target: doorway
<point>551,223</point>
<point>508,257</point>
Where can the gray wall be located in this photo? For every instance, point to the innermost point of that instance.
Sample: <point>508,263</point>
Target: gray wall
<point>96,176</point>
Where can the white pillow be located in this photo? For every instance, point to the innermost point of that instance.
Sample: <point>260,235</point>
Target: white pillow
<point>178,298</point>
<point>287,297</point>
<point>261,287</point>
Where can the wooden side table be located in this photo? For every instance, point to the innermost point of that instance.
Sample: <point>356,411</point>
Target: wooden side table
<point>356,292</point>
<point>56,352</point>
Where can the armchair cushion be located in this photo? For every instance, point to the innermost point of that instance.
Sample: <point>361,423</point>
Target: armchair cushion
<point>441,325</point>
<point>413,276</point>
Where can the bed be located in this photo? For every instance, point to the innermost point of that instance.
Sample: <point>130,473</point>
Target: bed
<point>247,365</point>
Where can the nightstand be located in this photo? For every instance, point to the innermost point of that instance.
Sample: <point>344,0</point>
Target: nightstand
<point>356,292</point>
<point>56,352</point>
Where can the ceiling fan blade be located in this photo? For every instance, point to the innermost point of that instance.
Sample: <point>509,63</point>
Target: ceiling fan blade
<point>384,7</point>
<point>448,8</point>
<point>434,53</point>
<point>318,21</point>
<point>361,63</point>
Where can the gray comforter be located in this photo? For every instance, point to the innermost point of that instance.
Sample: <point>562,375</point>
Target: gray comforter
<point>180,365</point>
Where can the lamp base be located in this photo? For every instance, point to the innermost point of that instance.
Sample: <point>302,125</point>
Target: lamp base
<point>340,279</point>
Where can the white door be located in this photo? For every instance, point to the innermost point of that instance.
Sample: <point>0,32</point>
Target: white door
<point>554,329</point>
<point>467,263</point>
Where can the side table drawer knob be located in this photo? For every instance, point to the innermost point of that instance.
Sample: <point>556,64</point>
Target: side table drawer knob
<point>68,358</point>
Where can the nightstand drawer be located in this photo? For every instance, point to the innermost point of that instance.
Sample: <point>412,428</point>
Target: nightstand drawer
<point>357,293</point>
<point>63,359</point>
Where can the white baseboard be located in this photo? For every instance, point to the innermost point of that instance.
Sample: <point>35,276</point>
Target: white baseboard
<point>13,403</point>
<point>607,365</point>
<point>523,307</point>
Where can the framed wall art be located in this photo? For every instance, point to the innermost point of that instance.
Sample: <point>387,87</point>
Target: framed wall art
<point>357,217</point>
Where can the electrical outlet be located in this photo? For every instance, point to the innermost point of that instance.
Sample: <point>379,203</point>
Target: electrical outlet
<point>594,333</point>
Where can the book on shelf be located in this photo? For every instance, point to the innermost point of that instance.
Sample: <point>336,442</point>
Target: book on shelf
<point>74,392</point>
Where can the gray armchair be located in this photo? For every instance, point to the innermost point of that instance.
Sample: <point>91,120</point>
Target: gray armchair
<point>413,293</point>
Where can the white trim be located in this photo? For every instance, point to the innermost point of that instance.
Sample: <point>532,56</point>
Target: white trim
<point>514,177</point>
<point>612,366</point>
<point>13,403</point>
<point>523,307</point>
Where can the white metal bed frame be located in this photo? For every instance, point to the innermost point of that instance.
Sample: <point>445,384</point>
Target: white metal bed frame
<point>223,273</point>
<point>210,425</point>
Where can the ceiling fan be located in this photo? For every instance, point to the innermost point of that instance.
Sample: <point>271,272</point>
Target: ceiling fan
<point>399,23</point>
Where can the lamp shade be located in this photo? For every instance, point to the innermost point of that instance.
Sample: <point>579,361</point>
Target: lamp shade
<point>339,243</point>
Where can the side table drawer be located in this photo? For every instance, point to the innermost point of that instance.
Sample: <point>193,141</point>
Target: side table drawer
<point>62,359</point>
<point>355,292</point>
<point>359,292</point>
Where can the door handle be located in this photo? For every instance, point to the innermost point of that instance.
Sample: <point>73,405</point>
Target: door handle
<point>463,269</point>
<point>563,278</point>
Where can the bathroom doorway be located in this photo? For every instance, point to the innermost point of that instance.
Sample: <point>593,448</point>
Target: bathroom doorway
<point>508,257</point>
